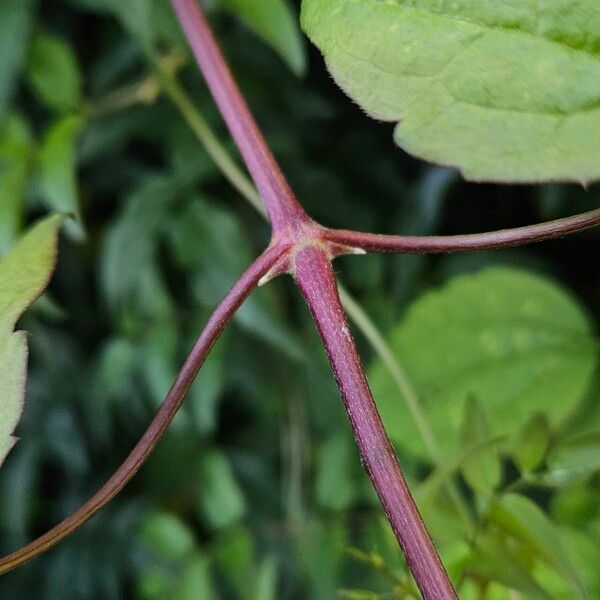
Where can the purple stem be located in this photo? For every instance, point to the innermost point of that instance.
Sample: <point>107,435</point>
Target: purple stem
<point>315,279</point>
<point>305,248</point>
<point>285,213</point>
<point>375,242</point>
<point>163,417</point>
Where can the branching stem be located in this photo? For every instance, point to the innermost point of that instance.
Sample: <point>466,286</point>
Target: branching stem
<point>305,249</point>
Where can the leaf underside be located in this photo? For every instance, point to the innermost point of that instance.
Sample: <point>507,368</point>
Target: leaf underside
<point>24,273</point>
<point>516,342</point>
<point>504,90</point>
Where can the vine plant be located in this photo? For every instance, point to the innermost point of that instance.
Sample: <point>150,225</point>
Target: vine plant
<point>304,249</point>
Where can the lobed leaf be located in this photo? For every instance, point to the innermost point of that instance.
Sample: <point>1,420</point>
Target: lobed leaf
<point>24,273</point>
<point>506,91</point>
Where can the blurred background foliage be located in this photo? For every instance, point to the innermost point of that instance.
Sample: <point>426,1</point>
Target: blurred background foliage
<point>484,365</point>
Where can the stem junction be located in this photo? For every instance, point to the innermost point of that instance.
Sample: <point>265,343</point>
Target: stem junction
<point>303,248</point>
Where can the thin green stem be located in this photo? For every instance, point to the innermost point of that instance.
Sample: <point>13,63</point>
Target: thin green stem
<point>145,91</point>
<point>407,391</point>
<point>228,167</point>
<point>241,182</point>
<point>380,346</point>
<point>376,563</point>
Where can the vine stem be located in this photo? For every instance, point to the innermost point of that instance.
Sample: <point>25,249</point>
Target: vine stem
<point>377,242</point>
<point>285,213</point>
<point>407,391</point>
<point>372,242</point>
<point>314,276</point>
<point>215,325</point>
<point>405,387</point>
<point>304,248</point>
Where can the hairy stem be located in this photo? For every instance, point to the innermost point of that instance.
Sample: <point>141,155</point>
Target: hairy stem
<point>222,315</point>
<point>376,242</point>
<point>315,278</point>
<point>285,213</point>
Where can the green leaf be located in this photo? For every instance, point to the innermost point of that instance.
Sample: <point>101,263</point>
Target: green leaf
<point>335,478</point>
<point>482,469</point>
<point>234,554</point>
<point>179,571</point>
<point>532,443</point>
<point>518,342</point>
<point>583,550</point>
<point>53,73</point>
<point>524,521</point>
<point>24,273</point>
<point>15,25</point>
<point>506,91</point>
<point>495,560</point>
<point>204,395</point>
<point>427,490</point>
<point>168,535</point>
<point>195,581</point>
<point>15,152</point>
<point>274,21</point>
<point>135,17</point>
<point>131,281</point>
<point>221,499</point>
<point>58,184</point>
<point>456,557</point>
<point>575,458</point>
<point>266,580</point>
<point>576,505</point>
<point>321,546</point>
